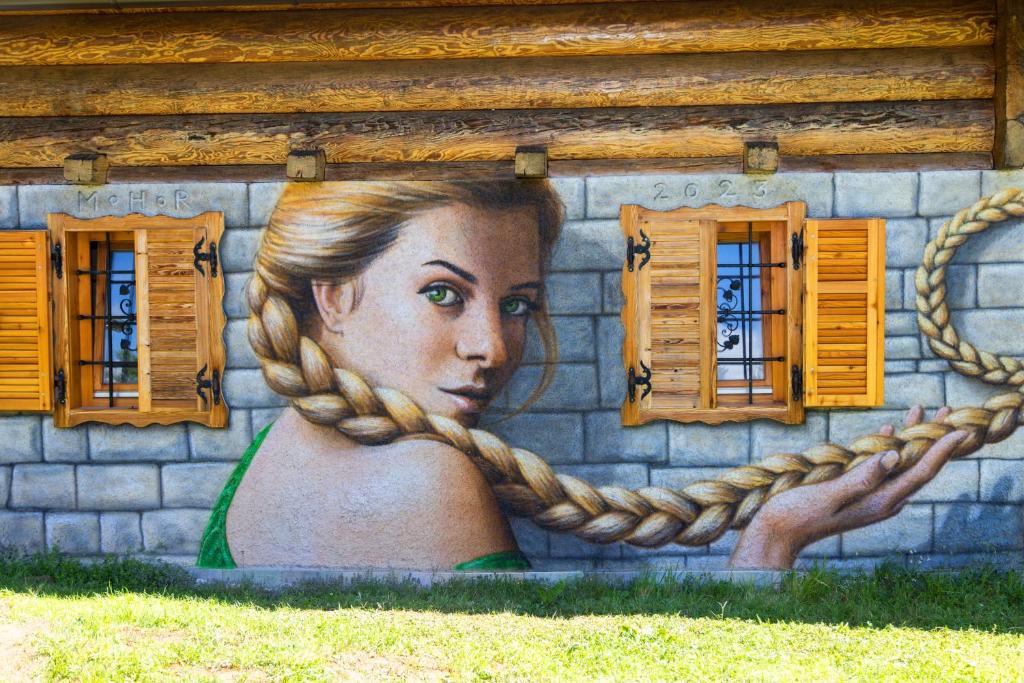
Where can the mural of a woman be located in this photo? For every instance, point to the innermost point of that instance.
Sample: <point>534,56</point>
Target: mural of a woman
<point>425,288</point>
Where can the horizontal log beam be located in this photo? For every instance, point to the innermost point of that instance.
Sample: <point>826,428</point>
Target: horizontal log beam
<point>491,170</point>
<point>12,10</point>
<point>548,83</point>
<point>950,161</point>
<point>114,8</point>
<point>475,32</point>
<point>633,133</point>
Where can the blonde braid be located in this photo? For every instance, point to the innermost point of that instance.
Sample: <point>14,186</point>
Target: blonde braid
<point>296,367</point>
<point>933,314</point>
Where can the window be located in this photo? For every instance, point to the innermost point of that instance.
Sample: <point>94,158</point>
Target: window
<point>716,304</point>
<point>138,320</point>
<point>109,353</point>
<point>749,315</point>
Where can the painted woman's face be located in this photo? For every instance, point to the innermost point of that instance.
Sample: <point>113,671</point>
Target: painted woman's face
<point>441,315</point>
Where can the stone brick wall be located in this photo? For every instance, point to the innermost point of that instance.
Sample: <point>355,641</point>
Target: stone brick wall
<point>100,489</point>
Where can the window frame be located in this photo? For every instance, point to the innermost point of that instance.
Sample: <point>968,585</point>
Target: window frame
<point>786,405</point>
<point>80,404</point>
<point>772,326</point>
<point>91,377</point>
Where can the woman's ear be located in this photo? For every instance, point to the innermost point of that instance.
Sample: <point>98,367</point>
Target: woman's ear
<point>335,301</point>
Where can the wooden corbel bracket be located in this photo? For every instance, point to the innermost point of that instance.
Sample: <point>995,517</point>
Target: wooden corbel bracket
<point>86,168</point>
<point>760,156</point>
<point>306,165</point>
<point>531,162</point>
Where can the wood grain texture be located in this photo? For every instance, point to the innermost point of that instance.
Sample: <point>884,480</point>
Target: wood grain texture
<point>672,337</point>
<point>512,31</point>
<point>666,327</point>
<point>66,298</point>
<point>86,169</point>
<point>182,327</point>
<point>144,333</point>
<point>491,170</point>
<point>636,81</point>
<point>659,328</point>
<point>174,290</point>
<point>796,213</point>
<point>279,7</point>
<point>632,313</point>
<point>976,161</point>
<point>214,320</point>
<point>1008,151</point>
<point>844,316</point>
<point>635,133</point>
<point>26,375</point>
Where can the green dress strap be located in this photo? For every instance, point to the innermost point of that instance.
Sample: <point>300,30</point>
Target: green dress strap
<point>214,552</point>
<point>506,560</point>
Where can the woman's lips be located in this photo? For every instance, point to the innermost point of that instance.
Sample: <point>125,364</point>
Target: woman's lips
<point>469,399</point>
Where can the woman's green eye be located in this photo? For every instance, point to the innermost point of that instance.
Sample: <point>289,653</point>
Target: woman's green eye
<point>516,307</point>
<point>442,295</point>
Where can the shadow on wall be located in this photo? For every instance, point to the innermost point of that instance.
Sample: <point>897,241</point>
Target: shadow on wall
<point>982,527</point>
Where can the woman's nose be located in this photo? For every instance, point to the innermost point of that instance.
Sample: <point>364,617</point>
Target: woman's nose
<point>481,338</point>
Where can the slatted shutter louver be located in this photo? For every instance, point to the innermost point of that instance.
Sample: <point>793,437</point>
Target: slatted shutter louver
<point>669,328</point>
<point>26,378</point>
<point>172,296</point>
<point>844,314</point>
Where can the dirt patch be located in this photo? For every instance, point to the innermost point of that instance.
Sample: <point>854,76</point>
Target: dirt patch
<point>134,635</point>
<point>349,666</point>
<point>227,674</point>
<point>366,666</point>
<point>18,659</point>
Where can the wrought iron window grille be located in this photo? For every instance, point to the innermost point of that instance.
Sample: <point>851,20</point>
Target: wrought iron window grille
<point>739,308</point>
<point>121,325</point>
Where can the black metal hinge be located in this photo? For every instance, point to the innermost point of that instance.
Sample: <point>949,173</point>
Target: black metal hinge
<point>632,250</point>
<point>57,260</point>
<point>633,381</point>
<point>210,256</point>
<point>797,248</point>
<point>211,384</point>
<point>60,387</point>
<point>796,375</point>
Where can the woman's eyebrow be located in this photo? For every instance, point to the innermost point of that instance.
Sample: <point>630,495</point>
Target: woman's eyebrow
<point>465,275</point>
<point>526,285</point>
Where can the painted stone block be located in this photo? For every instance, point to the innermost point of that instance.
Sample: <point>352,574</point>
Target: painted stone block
<point>178,200</point>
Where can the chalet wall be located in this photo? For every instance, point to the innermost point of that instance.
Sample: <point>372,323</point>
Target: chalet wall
<point>613,80</point>
<point>126,490</point>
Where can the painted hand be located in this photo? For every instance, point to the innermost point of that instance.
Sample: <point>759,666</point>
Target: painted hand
<point>793,519</point>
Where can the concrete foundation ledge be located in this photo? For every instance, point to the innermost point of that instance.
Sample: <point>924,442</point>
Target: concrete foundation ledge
<point>283,577</point>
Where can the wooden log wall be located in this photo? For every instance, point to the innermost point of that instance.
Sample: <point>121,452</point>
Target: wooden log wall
<point>1009,96</point>
<point>690,79</point>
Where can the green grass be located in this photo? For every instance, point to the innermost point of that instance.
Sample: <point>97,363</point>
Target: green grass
<point>124,620</point>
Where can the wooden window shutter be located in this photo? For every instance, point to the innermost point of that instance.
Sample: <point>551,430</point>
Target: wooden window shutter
<point>669,334</point>
<point>26,378</point>
<point>179,313</point>
<point>181,321</point>
<point>844,312</point>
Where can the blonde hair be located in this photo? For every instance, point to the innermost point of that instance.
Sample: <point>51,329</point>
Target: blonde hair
<point>332,232</point>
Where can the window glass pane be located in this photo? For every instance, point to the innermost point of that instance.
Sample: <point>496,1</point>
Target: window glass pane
<point>120,332</point>
<point>740,333</point>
